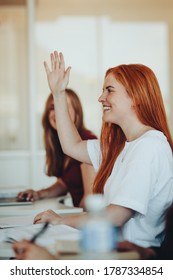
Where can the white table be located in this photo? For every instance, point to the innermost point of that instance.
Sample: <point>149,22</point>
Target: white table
<point>37,207</point>
<point>59,234</point>
<point>24,214</point>
<point>7,252</point>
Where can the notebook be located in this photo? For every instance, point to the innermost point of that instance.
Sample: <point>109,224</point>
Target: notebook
<point>11,201</point>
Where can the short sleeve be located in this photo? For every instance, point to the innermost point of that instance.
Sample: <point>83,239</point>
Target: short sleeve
<point>135,188</point>
<point>93,148</point>
<point>137,177</point>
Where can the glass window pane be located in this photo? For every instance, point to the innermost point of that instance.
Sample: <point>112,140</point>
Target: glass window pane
<point>77,37</point>
<point>133,47</point>
<point>13,86</point>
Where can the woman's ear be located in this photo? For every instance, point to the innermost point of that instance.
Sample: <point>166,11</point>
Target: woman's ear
<point>134,106</point>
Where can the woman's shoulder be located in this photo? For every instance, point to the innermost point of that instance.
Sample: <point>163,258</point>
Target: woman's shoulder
<point>156,139</point>
<point>87,134</point>
<point>153,143</point>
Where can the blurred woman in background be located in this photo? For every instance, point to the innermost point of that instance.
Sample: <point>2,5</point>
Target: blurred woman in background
<point>72,176</point>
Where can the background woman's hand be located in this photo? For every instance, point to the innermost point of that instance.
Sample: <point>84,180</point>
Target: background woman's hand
<point>28,195</point>
<point>25,250</point>
<point>47,216</point>
<point>57,76</point>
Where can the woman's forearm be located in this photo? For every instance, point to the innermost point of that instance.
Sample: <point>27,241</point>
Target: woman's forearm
<point>75,221</point>
<point>57,189</point>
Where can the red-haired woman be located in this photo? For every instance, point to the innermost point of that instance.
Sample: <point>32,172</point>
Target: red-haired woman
<point>133,158</point>
<point>72,176</point>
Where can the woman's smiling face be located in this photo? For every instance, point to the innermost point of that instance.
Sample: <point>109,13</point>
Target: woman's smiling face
<point>115,101</point>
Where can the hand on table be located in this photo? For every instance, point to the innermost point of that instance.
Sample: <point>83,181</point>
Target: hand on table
<point>25,250</point>
<point>47,216</point>
<point>28,195</point>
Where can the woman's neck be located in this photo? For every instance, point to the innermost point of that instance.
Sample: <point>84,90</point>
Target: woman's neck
<point>134,132</point>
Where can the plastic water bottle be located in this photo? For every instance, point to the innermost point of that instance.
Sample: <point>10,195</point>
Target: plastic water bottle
<point>97,233</point>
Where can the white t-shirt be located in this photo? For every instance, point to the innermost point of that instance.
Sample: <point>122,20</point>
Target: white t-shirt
<point>142,180</point>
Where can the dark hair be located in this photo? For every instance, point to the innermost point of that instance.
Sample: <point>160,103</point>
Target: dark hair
<point>166,249</point>
<point>56,160</point>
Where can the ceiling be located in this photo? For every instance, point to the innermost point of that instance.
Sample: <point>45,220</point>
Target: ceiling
<point>90,2</point>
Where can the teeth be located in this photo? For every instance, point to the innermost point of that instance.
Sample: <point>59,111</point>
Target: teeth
<point>106,108</point>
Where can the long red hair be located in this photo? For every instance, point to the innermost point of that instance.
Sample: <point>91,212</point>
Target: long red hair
<point>142,86</point>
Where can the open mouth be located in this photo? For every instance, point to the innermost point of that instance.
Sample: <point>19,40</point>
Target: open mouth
<point>106,108</point>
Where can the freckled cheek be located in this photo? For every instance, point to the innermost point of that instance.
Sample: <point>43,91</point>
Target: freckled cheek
<point>111,98</point>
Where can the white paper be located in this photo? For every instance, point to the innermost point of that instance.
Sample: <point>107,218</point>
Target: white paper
<point>16,221</point>
<point>48,239</point>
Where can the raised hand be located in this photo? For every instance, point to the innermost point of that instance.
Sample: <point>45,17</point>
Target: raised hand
<point>57,76</point>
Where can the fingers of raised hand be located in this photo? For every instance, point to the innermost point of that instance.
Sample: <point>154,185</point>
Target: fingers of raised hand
<point>53,61</point>
<point>46,68</point>
<point>62,62</point>
<point>57,61</point>
<point>67,73</point>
